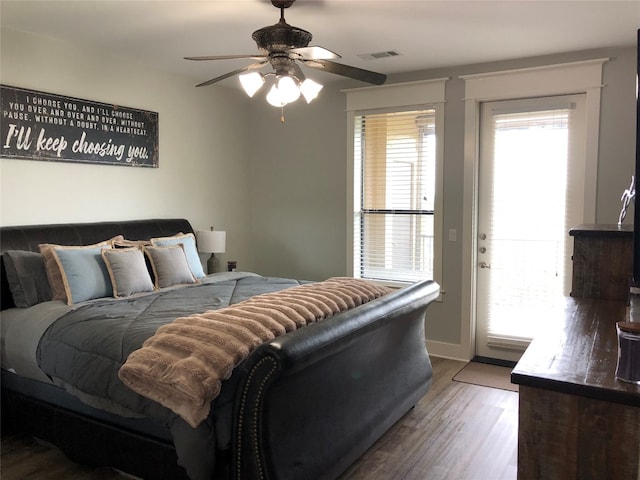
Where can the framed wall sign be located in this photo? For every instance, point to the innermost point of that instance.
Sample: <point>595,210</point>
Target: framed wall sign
<point>45,126</point>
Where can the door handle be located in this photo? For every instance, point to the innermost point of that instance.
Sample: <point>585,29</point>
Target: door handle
<point>484,264</point>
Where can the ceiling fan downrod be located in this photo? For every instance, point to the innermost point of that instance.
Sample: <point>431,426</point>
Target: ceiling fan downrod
<point>282,4</point>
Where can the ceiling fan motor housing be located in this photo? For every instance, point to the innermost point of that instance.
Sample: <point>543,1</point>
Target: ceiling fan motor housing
<point>281,37</point>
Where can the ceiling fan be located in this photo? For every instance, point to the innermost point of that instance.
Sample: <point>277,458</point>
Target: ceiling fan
<point>286,47</point>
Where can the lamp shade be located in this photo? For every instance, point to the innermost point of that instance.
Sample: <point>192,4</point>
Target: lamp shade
<point>211,241</point>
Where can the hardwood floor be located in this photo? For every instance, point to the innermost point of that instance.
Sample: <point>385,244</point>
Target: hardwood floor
<point>26,459</point>
<point>456,432</point>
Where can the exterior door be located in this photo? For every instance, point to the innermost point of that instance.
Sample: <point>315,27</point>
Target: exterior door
<point>531,190</point>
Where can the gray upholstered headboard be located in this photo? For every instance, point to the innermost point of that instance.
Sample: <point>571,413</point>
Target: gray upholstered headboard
<point>28,237</point>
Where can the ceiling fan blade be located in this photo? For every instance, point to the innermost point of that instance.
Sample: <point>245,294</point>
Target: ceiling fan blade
<point>299,74</point>
<point>226,57</point>
<point>314,53</point>
<point>347,71</point>
<point>231,74</point>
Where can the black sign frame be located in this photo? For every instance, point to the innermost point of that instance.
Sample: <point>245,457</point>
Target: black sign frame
<point>37,125</point>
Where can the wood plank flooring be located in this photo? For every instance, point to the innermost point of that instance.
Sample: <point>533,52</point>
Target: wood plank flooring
<point>456,432</point>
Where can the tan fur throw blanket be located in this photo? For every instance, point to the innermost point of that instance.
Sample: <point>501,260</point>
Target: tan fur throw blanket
<point>183,364</point>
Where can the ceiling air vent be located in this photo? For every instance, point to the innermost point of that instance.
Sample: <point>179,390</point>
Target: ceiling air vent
<point>379,55</point>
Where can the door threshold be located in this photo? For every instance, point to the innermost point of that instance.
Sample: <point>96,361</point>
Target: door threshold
<point>494,361</point>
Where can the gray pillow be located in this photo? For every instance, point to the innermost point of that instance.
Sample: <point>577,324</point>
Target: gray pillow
<point>27,277</point>
<point>170,266</point>
<point>188,241</point>
<point>128,271</point>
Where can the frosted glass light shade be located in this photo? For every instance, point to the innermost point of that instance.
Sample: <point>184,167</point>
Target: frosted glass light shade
<point>211,241</point>
<point>274,97</point>
<point>310,89</point>
<point>289,89</point>
<point>251,82</point>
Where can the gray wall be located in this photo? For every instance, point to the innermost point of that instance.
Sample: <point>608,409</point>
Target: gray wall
<point>298,188</point>
<point>299,194</point>
<point>204,153</point>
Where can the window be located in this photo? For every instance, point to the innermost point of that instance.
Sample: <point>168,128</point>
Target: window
<point>395,179</point>
<point>395,169</point>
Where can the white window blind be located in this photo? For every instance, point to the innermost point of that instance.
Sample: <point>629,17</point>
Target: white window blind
<point>394,195</point>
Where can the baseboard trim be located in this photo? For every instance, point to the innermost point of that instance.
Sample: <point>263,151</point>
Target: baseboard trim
<point>451,351</point>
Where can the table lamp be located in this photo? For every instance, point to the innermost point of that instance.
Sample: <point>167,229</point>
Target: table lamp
<point>211,241</point>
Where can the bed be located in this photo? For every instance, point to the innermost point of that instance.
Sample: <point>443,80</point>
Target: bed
<point>304,404</point>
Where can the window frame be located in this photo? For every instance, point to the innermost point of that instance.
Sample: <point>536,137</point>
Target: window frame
<point>399,97</point>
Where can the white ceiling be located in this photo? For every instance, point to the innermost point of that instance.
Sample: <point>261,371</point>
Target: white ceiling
<point>427,33</point>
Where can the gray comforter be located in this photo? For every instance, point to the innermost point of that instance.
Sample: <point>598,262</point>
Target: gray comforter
<point>83,350</point>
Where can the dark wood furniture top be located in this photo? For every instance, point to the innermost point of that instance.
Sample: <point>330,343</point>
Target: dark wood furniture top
<point>587,230</point>
<point>579,356</point>
<point>602,261</point>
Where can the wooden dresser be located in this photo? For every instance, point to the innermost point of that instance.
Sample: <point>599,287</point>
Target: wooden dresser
<point>576,420</point>
<point>602,261</point>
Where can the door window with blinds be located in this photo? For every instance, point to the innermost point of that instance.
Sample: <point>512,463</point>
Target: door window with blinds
<point>395,169</point>
<point>531,191</point>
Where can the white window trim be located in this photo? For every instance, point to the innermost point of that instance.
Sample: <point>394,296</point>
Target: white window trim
<point>398,95</point>
<point>568,78</point>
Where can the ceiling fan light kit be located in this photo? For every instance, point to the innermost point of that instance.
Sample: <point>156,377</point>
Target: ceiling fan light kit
<point>283,46</point>
<point>285,90</point>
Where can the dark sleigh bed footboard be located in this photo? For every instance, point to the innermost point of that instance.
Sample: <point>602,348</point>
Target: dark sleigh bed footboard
<point>305,405</point>
<point>314,400</point>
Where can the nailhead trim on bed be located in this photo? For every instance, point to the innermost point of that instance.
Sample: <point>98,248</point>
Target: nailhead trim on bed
<point>254,417</point>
